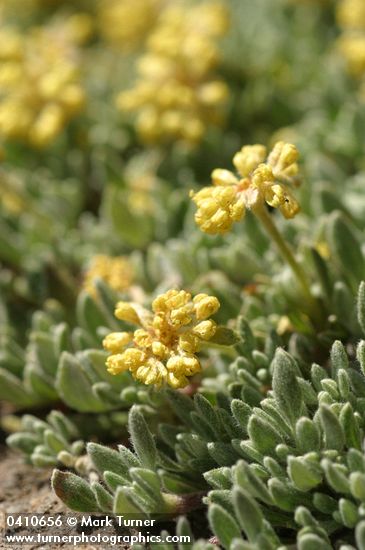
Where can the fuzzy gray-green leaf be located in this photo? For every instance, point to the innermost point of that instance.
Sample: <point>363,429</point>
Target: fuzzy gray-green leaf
<point>74,491</point>
<point>248,514</point>
<point>223,525</point>
<point>142,439</point>
<point>361,306</point>
<point>333,433</point>
<point>285,374</point>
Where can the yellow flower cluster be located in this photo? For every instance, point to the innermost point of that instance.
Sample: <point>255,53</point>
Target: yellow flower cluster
<point>352,48</point>
<point>260,179</point>
<point>175,95</point>
<point>39,86</point>
<point>125,23</point>
<point>351,43</point>
<point>351,14</point>
<point>117,272</point>
<point>163,349</point>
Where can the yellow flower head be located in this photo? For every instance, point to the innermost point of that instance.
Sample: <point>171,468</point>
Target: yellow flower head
<point>175,94</point>
<point>125,23</point>
<point>260,179</point>
<point>162,350</point>
<point>351,14</point>
<point>352,47</point>
<point>116,272</point>
<point>351,43</point>
<point>39,88</point>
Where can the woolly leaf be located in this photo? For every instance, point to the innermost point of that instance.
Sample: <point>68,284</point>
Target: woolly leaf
<point>246,478</point>
<point>339,358</point>
<point>63,425</point>
<point>11,389</point>
<point>219,478</point>
<point>361,306</point>
<point>248,341</point>
<point>311,541</point>
<point>39,383</point>
<point>324,503</point>
<point>355,461</point>
<point>222,453</point>
<point>54,442</point>
<point>75,387</point>
<point>357,485</point>
<point>344,383</point>
<point>307,435</point>
<point>181,404</point>
<point>333,433</point>
<point>223,525</point>
<point>304,518</point>
<point>207,412</point>
<point>103,498</point>
<point>45,351</point>
<point>89,314</point>
<point>113,480</point>
<point>284,496</point>
<point>263,436</point>
<point>148,481</point>
<point>183,530</point>
<point>317,375</point>
<point>360,535</point>
<point>43,461</point>
<point>348,512</point>
<point>285,374</point>
<point>142,439</point>
<point>124,505</point>
<point>176,484</point>
<point>304,475</point>
<point>24,442</point>
<point>239,544</point>
<point>350,427</point>
<point>61,338</point>
<point>105,459</point>
<point>248,514</point>
<point>360,355</point>
<point>74,491</point>
<point>335,477</point>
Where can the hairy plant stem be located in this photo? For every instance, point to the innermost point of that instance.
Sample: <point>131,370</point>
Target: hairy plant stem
<point>262,214</point>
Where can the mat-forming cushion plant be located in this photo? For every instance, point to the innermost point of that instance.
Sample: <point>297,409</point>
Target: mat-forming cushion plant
<point>182,284</point>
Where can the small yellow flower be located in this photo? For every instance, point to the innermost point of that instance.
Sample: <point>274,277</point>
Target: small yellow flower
<point>352,47</point>
<point>163,349</point>
<point>117,272</point>
<point>258,181</point>
<point>351,43</point>
<point>350,14</point>
<point>125,23</point>
<point>175,95</point>
<point>116,340</point>
<point>39,87</point>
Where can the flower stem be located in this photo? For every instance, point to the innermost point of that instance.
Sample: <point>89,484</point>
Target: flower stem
<point>286,252</point>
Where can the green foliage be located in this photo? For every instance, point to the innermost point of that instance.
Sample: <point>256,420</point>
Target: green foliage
<point>132,482</point>
<point>274,468</point>
<point>264,449</point>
